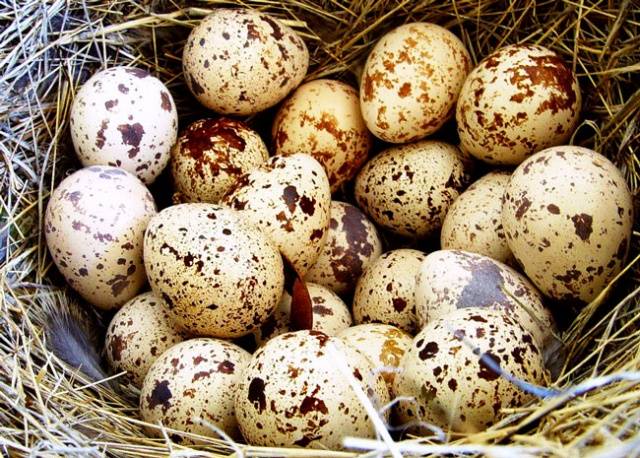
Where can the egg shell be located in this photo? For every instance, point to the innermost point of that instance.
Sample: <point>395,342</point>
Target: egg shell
<point>411,81</point>
<point>289,199</point>
<point>567,216</point>
<point>94,227</point>
<point>519,100</point>
<point>449,280</point>
<point>138,334</point>
<point>210,156</point>
<point>474,221</point>
<point>323,118</point>
<point>452,387</point>
<point>241,61</point>
<point>408,189</point>
<point>385,292</point>
<point>330,314</point>
<point>124,117</point>
<point>219,274</point>
<point>191,387</point>
<point>383,344</point>
<point>351,245</point>
<point>292,393</point>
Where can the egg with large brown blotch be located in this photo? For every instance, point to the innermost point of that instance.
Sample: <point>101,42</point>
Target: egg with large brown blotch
<point>124,117</point>
<point>292,393</point>
<point>351,245</point>
<point>288,198</point>
<point>411,81</point>
<point>243,61</point>
<point>568,216</point>
<point>219,274</point>
<point>446,375</point>
<point>323,118</point>
<point>519,100</point>
<point>94,227</point>
<point>191,388</point>
<point>408,189</point>
<point>210,156</point>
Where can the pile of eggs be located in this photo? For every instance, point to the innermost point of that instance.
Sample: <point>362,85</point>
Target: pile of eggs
<point>416,326</point>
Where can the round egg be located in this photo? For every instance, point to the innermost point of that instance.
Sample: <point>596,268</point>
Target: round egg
<point>138,334</point>
<point>330,314</point>
<point>191,388</point>
<point>474,221</point>
<point>351,245</point>
<point>219,274</point>
<point>519,100</point>
<point>411,81</point>
<point>446,374</point>
<point>242,61</point>
<point>384,345</point>
<point>408,189</point>
<point>210,156</point>
<point>568,216</point>
<point>449,280</point>
<point>94,228</point>
<point>385,292</point>
<point>124,117</point>
<point>289,199</point>
<point>323,118</point>
<point>293,394</point>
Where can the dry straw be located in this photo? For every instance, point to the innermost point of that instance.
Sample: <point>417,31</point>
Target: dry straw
<point>48,48</point>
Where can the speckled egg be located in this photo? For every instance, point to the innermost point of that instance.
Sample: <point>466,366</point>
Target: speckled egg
<point>191,388</point>
<point>351,245</point>
<point>384,345</point>
<point>323,118</point>
<point>241,61</point>
<point>517,101</point>
<point>568,215</point>
<point>450,279</point>
<point>408,189</point>
<point>289,199</point>
<point>94,227</point>
<point>293,394</point>
<point>219,274</point>
<point>411,81</point>
<point>138,334</point>
<point>330,314</point>
<point>452,385</point>
<point>474,221</point>
<point>385,292</point>
<point>124,117</point>
<point>210,156</point>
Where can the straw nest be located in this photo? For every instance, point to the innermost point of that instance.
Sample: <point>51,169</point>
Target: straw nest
<point>48,48</point>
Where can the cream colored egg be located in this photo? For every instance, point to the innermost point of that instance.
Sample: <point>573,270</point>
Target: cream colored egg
<point>219,274</point>
<point>210,156</point>
<point>351,245</point>
<point>519,100</point>
<point>408,189</point>
<point>94,227</point>
<point>568,215</point>
<point>411,81</point>
<point>474,221</point>
<point>451,384</point>
<point>242,61</point>
<point>191,388</point>
<point>124,117</point>
<point>288,198</point>
<point>323,118</point>
<point>449,280</point>
<point>293,393</point>
<point>385,292</point>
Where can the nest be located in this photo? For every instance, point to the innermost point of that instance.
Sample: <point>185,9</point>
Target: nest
<point>48,48</point>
